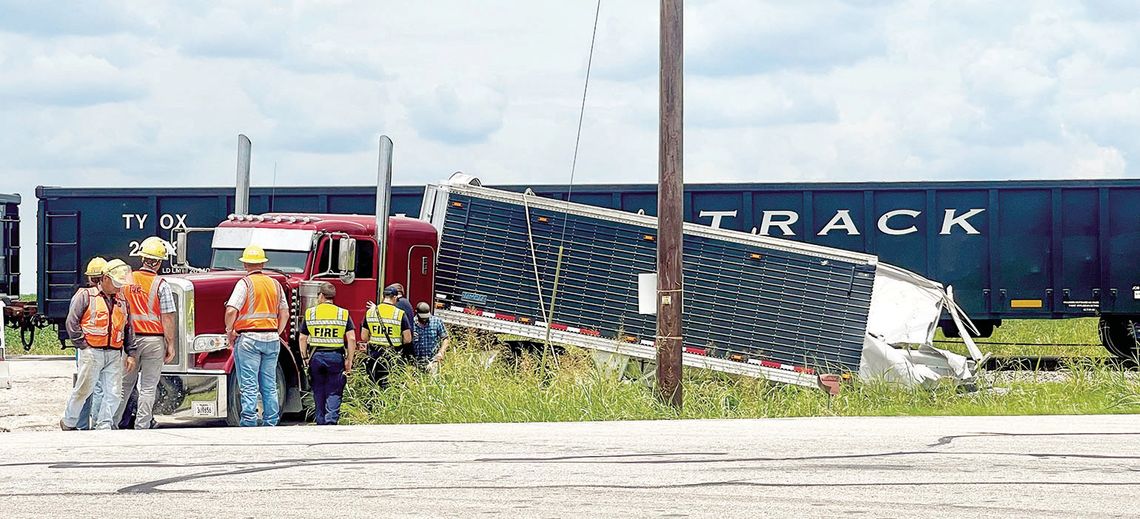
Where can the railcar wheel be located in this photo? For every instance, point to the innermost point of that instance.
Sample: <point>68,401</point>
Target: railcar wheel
<point>27,336</point>
<point>1118,336</point>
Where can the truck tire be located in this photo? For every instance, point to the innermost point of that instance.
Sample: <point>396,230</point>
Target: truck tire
<point>1118,337</point>
<point>233,396</point>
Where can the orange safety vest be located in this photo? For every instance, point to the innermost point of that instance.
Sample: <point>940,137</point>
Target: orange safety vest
<point>146,311</point>
<point>100,323</point>
<point>259,312</point>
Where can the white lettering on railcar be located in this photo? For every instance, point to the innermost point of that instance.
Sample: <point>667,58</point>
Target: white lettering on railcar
<point>170,221</point>
<point>717,216</point>
<point>166,221</point>
<point>787,218</point>
<point>134,217</point>
<point>841,220</point>
<point>887,229</point>
<point>950,221</point>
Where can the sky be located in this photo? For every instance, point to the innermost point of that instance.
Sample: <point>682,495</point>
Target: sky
<point>154,93</point>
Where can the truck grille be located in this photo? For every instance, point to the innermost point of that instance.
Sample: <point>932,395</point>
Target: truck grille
<point>183,292</point>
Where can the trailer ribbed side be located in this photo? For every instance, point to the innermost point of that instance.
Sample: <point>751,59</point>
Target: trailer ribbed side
<point>745,300</point>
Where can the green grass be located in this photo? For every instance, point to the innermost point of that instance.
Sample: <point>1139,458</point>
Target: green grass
<point>1036,332</point>
<point>480,382</point>
<point>45,342</point>
<point>471,389</point>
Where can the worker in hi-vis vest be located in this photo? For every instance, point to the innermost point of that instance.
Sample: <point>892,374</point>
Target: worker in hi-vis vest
<point>386,331</point>
<point>329,333</point>
<point>256,316</point>
<point>98,323</point>
<point>152,318</point>
<point>94,274</point>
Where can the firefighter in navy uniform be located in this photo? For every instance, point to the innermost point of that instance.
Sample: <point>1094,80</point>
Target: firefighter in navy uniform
<point>329,332</point>
<point>386,331</point>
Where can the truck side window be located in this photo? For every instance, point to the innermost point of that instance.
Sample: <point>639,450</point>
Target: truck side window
<point>329,251</point>
<point>365,259</point>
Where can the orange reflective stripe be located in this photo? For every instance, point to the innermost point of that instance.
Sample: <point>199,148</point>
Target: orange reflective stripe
<point>142,296</point>
<point>259,311</point>
<point>103,326</point>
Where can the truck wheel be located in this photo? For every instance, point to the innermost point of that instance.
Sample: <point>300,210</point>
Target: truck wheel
<point>233,400</point>
<point>1118,337</point>
<point>233,411</point>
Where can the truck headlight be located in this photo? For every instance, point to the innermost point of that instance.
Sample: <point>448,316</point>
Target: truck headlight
<point>208,342</point>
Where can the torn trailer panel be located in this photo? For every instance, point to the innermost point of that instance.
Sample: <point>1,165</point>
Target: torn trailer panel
<point>749,299</point>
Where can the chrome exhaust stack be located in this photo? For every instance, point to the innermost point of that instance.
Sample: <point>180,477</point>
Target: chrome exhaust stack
<point>383,204</point>
<point>241,198</point>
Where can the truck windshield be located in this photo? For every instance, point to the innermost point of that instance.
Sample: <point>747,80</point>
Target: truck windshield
<point>292,262</point>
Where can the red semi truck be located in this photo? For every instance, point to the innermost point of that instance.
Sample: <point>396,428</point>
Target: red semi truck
<point>357,254</point>
<point>303,251</point>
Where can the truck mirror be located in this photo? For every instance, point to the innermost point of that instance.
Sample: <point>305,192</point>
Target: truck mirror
<point>346,261</point>
<point>180,249</point>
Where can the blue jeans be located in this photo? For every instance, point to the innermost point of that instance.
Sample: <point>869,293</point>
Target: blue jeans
<point>105,367</point>
<point>256,363</point>
<point>326,372</point>
<point>84,421</point>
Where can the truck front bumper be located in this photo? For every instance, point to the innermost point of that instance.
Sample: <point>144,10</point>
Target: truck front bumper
<point>192,395</point>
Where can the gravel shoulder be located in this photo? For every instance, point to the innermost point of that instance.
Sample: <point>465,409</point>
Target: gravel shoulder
<point>40,386</point>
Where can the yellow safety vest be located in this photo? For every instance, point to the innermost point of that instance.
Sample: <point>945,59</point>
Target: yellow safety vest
<point>327,325</point>
<point>383,324</point>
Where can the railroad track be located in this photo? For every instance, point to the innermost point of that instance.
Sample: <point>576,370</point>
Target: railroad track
<point>1052,362</point>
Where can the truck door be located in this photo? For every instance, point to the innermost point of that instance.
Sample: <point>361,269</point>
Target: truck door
<point>354,295</point>
<point>421,274</point>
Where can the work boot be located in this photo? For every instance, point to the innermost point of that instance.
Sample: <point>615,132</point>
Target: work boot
<point>63,427</point>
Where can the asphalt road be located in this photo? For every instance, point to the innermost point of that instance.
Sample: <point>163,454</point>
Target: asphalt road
<point>818,467</point>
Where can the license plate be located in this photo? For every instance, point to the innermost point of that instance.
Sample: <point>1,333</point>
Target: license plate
<point>204,408</point>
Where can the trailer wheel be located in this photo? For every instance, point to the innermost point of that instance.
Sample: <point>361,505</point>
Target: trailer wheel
<point>233,396</point>
<point>1118,336</point>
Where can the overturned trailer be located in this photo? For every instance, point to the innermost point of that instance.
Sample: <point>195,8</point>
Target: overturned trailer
<point>786,311</point>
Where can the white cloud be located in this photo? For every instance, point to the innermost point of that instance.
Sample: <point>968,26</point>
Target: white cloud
<point>458,114</point>
<point>53,18</point>
<point>63,77</point>
<point>154,93</point>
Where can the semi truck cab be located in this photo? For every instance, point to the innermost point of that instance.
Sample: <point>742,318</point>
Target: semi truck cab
<point>303,250</point>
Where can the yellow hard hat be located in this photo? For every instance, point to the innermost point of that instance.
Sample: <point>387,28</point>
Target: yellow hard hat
<point>253,254</point>
<point>95,267</point>
<point>153,248</point>
<point>118,271</point>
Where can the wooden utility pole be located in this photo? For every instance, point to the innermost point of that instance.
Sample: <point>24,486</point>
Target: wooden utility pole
<point>670,197</point>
